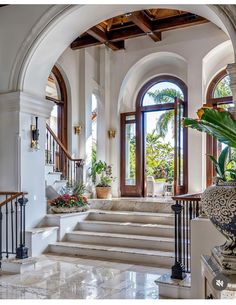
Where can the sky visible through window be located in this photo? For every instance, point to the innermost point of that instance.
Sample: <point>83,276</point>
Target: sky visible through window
<point>153,117</point>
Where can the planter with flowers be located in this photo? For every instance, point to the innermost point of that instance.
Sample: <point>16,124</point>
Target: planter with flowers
<point>71,202</point>
<point>102,177</point>
<point>219,200</point>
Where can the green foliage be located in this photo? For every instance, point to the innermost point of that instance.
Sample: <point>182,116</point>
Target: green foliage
<point>79,189</point>
<point>218,124</point>
<point>220,165</point>
<point>159,157</point>
<point>222,89</point>
<point>162,97</point>
<point>104,172</point>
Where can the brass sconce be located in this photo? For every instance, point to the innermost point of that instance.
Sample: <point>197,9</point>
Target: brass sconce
<point>111,133</point>
<point>77,129</point>
<point>35,135</point>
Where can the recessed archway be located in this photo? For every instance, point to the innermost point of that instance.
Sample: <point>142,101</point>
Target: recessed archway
<point>62,27</point>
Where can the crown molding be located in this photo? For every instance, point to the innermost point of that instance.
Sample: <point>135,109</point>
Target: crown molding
<point>22,102</point>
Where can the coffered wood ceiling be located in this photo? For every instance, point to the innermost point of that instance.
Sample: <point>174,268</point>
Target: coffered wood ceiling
<point>113,32</point>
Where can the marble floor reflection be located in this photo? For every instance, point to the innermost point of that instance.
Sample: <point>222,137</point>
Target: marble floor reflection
<point>60,277</point>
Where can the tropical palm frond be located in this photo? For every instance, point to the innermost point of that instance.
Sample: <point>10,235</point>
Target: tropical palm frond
<point>165,96</point>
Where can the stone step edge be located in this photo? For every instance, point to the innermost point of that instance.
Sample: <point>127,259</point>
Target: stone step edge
<point>134,224</point>
<point>169,254</point>
<point>125,236</point>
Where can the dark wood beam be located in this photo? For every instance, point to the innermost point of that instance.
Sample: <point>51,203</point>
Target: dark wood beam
<point>101,36</point>
<point>145,24</point>
<point>177,22</point>
<point>84,42</point>
<point>132,31</point>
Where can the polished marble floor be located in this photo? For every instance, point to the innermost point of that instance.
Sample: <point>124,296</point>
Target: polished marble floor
<point>60,277</point>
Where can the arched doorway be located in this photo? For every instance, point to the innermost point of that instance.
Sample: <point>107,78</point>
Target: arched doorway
<point>153,141</point>
<point>219,94</point>
<point>57,93</point>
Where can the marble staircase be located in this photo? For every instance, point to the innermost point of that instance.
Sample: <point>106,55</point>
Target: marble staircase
<point>128,236</point>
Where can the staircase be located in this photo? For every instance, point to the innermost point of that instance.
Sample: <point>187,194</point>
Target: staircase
<point>60,166</point>
<point>131,237</point>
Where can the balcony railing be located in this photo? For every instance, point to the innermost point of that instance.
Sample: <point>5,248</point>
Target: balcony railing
<point>186,208</point>
<point>12,225</point>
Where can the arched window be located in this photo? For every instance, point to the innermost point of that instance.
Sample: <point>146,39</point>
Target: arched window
<point>56,92</point>
<point>219,94</point>
<point>153,141</point>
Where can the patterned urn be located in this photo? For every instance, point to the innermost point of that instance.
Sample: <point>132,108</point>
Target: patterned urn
<point>219,204</point>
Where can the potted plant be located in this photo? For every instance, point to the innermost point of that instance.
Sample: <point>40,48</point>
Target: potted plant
<point>71,201</point>
<point>102,177</point>
<point>219,200</point>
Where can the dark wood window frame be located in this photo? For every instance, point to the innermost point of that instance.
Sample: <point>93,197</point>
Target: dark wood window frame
<point>62,106</point>
<point>211,143</point>
<point>140,188</point>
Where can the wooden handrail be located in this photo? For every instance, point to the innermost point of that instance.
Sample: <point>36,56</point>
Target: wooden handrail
<point>61,145</point>
<point>14,195</point>
<point>188,197</point>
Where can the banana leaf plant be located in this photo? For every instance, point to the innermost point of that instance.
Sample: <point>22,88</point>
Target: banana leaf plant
<point>216,122</point>
<point>220,124</point>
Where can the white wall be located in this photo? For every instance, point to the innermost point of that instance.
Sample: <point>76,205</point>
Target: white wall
<point>117,77</point>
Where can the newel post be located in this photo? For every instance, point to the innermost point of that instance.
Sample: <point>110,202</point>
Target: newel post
<point>178,270</point>
<point>22,250</point>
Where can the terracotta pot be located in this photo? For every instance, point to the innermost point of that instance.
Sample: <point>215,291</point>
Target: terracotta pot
<point>219,204</point>
<point>103,192</point>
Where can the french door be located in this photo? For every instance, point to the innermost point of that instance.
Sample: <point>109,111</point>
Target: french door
<point>133,150</point>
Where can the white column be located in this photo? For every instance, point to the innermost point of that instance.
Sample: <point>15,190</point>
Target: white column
<point>23,169</point>
<point>196,151</point>
<point>231,70</point>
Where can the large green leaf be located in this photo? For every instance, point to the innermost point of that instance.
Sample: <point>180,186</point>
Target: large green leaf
<point>220,125</point>
<point>223,159</point>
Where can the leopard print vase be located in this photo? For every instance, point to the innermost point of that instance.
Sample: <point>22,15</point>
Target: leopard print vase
<point>219,204</point>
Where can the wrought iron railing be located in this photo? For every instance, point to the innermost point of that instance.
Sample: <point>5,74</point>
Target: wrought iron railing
<point>186,208</point>
<point>60,158</point>
<point>12,225</point>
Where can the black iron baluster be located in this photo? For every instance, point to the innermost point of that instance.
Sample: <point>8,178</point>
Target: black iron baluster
<point>197,209</point>
<point>184,228</point>
<point>187,236</point>
<point>22,250</point>
<point>1,217</point>
<point>12,228</point>
<point>16,224</point>
<point>50,146</point>
<point>53,154</point>
<point>74,172</point>
<point>178,268</point>
<point>6,213</point>
<point>47,146</point>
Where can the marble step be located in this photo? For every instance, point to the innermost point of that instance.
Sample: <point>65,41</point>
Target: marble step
<point>136,217</point>
<point>122,240</point>
<point>126,228</point>
<point>174,289</point>
<point>125,254</point>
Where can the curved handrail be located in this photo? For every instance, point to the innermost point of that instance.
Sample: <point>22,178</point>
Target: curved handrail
<point>14,195</point>
<point>61,145</point>
<point>188,197</point>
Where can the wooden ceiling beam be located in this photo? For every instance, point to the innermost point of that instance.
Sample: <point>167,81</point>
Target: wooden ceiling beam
<point>177,22</point>
<point>84,42</point>
<point>112,37</point>
<point>101,36</point>
<point>145,24</point>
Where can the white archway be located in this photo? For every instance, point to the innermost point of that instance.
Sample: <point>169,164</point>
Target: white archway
<point>62,24</point>
<point>146,68</point>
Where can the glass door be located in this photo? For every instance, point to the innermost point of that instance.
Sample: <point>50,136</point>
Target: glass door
<point>181,166</point>
<point>129,159</point>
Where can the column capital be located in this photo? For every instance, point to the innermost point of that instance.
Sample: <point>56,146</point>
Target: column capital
<point>19,101</point>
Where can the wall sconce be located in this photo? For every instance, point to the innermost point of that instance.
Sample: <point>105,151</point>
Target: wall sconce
<point>35,135</point>
<point>77,129</point>
<point>111,133</point>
